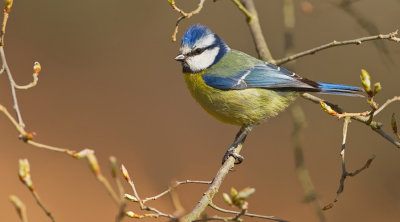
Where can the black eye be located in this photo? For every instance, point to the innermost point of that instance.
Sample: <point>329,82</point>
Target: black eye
<point>198,51</point>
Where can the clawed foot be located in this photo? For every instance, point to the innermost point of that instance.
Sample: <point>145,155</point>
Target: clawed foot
<point>230,152</point>
<point>239,139</point>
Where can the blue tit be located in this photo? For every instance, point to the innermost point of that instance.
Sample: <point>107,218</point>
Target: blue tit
<point>237,88</point>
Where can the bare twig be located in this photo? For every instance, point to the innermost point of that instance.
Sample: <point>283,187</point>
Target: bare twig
<point>215,207</point>
<point>183,15</point>
<point>140,216</point>
<point>20,207</point>
<point>364,20</point>
<point>213,189</point>
<point>375,126</point>
<point>6,12</point>
<point>173,187</point>
<point>24,174</point>
<point>85,153</point>
<point>4,62</point>
<point>388,102</point>
<point>342,152</point>
<point>345,173</point>
<point>136,198</point>
<point>386,136</point>
<point>342,115</point>
<point>29,85</point>
<point>41,204</point>
<point>243,9</point>
<point>391,37</point>
<point>12,84</point>
<point>256,32</point>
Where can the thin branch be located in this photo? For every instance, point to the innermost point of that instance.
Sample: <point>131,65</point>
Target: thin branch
<point>139,216</point>
<point>125,173</point>
<point>343,115</point>
<point>4,24</point>
<point>256,32</point>
<point>386,136</point>
<point>241,213</point>
<point>52,148</point>
<point>391,37</point>
<point>29,85</point>
<point>5,65</point>
<point>41,204</point>
<point>243,9</point>
<point>85,153</point>
<point>136,198</point>
<point>215,207</point>
<point>12,84</point>
<point>213,189</point>
<point>173,187</point>
<point>24,173</point>
<point>375,126</point>
<point>342,152</point>
<point>364,20</point>
<point>183,15</point>
<point>388,102</point>
<point>345,173</point>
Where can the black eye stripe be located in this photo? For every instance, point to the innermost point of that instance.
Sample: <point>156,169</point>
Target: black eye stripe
<point>198,51</point>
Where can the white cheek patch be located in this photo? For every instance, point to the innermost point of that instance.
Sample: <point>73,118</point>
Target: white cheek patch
<point>200,62</point>
<point>205,41</point>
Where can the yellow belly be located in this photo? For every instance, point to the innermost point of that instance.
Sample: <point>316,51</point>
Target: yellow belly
<point>237,107</point>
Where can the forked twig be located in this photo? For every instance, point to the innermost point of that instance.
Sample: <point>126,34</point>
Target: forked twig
<point>183,15</point>
<point>375,126</point>
<point>345,173</point>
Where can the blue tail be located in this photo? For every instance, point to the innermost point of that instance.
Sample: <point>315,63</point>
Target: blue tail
<point>337,89</point>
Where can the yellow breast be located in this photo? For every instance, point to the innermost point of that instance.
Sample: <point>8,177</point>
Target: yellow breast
<point>237,107</point>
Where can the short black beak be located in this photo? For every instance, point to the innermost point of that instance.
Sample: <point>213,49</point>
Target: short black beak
<point>180,58</point>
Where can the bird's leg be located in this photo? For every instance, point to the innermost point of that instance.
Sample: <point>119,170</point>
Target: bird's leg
<point>239,139</point>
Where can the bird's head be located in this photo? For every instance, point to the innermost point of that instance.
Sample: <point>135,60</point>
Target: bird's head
<point>200,49</point>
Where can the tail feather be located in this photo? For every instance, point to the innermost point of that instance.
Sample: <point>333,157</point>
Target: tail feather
<point>338,89</point>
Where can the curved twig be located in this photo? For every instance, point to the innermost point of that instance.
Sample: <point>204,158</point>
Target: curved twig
<point>183,15</point>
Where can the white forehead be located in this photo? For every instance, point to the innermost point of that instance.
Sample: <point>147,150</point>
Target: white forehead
<point>203,42</point>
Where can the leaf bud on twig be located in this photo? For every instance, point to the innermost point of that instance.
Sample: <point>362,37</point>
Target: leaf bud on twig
<point>36,68</point>
<point>24,173</point>
<point>366,81</point>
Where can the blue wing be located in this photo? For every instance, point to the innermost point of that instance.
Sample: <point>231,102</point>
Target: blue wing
<point>269,76</point>
<point>259,76</point>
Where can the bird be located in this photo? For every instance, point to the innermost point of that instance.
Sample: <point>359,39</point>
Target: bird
<point>239,89</point>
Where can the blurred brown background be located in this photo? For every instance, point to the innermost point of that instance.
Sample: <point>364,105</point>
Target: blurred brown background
<point>109,82</point>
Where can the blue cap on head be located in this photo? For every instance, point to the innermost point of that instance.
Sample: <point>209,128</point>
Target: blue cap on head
<point>194,33</point>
